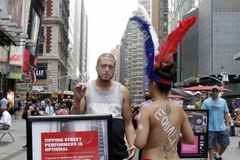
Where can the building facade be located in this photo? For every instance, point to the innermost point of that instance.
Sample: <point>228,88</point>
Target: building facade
<point>19,33</point>
<point>62,57</point>
<point>53,49</point>
<point>132,58</point>
<point>159,16</point>
<point>78,29</point>
<point>211,44</point>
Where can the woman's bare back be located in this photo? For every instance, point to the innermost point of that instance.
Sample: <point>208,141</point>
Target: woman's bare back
<point>161,121</point>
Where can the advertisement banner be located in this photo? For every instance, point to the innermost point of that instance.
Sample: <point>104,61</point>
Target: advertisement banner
<point>70,145</point>
<point>193,149</point>
<point>199,122</point>
<point>16,55</point>
<point>35,27</point>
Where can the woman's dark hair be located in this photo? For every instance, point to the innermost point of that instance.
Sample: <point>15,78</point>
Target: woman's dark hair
<point>165,71</point>
<point>34,100</point>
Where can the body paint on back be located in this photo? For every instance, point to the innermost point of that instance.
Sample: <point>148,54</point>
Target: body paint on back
<point>168,128</point>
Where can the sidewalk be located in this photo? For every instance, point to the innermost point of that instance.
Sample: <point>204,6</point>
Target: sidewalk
<point>13,150</point>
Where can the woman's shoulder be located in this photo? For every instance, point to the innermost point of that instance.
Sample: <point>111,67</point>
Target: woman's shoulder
<point>32,106</point>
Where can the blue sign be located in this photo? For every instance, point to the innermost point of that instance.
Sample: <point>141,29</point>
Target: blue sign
<point>41,72</point>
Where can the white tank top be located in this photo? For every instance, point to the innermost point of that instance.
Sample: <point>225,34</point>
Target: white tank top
<point>109,102</point>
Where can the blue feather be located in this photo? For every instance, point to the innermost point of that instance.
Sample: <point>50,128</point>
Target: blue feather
<point>149,47</point>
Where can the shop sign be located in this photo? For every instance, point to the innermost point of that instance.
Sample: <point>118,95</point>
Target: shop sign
<point>41,72</point>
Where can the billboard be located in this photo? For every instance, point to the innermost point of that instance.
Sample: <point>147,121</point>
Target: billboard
<point>34,26</point>
<point>16,55</point>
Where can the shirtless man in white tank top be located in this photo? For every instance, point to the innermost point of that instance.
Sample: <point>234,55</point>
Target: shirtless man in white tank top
<point>119,107</point>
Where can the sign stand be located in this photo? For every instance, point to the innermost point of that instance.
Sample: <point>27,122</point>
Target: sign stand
<point>69,137</point>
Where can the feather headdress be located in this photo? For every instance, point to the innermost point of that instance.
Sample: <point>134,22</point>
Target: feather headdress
<point>155,56</point>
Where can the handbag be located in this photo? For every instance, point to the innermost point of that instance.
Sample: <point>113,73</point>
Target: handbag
<point>24,114</point>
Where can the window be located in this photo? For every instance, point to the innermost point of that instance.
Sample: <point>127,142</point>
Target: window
<point>42,32</point>
<point>40,49</point>
<point>165,23</point>
<point>165,13</point>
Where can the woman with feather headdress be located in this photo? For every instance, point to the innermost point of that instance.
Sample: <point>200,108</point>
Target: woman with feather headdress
<point>162,123</point>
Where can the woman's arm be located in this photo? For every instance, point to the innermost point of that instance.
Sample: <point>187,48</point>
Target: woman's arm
<point>186,133</point>
<point>30,110</point>
<point>143,128</point>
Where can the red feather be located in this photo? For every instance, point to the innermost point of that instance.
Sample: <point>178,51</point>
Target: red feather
<point>169,46</point>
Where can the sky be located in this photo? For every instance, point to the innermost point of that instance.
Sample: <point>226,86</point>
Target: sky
<point>107,20</point>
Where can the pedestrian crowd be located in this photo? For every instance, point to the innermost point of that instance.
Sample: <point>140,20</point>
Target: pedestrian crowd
<point>49,107</point>
<point>32,107</point>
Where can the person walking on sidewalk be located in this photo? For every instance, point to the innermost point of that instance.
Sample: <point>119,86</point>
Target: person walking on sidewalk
<point>6,120</point>
<point>48,108</point>
<point>4,103</point>
<point>17,106</point>
<point>68,102</point>
<point>236,120</point>
<point>105,96</point>
<point>162,123</point>
<point>219,126</point>
<point>203,97</point>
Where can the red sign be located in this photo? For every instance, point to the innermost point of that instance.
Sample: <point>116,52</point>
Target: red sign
<point>70,145</point>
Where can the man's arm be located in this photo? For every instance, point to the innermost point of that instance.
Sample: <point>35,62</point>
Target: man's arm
<point>127,117</point>
<point>226,117</point>
<point>79,102</point>
<point>78,106</point>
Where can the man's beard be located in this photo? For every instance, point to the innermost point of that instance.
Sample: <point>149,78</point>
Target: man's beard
<point>106,80</point>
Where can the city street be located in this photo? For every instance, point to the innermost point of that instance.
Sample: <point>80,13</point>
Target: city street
<point>13,150</point>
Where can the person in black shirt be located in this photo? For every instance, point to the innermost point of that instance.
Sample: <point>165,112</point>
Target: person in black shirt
<point>68,102</point>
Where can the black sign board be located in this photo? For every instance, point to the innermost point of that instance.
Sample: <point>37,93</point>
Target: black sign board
<point>41,72</point>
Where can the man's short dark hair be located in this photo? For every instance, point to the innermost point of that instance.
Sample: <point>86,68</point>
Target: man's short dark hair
<point>106,55</point>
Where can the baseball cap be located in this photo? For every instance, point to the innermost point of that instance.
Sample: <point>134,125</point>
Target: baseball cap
<point>215,87</point>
